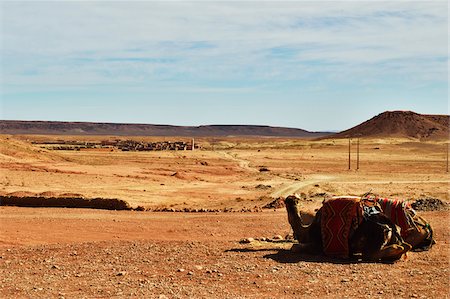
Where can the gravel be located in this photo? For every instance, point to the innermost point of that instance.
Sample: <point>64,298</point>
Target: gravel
<point>152,269</point>
<point>429,204</point>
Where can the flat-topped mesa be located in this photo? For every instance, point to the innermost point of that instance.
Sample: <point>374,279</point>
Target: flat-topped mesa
<point>401,124</point>
<point>120,129</point>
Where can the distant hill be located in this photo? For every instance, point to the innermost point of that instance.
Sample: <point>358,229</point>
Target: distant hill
<point>401,124</point>
<point>115,129</point>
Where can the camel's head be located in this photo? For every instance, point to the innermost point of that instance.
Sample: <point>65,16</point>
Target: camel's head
<point>292,200</point>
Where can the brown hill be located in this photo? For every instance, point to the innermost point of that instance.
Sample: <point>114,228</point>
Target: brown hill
<point>89,128</point>
<point>405,124</point>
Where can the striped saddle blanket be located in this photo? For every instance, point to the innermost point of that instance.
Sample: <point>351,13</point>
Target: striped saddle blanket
<point>399,212</point>
<point>340,217</point>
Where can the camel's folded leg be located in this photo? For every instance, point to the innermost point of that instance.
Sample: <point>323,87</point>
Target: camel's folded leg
<point>420,238</point>
<point>390,252</point>
<point>416,236</point>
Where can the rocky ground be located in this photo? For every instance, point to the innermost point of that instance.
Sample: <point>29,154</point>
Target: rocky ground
<point>200,259</point>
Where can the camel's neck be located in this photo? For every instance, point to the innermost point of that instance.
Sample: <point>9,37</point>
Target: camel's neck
<point>295,218</point>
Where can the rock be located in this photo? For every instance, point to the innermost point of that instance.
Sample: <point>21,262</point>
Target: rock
<point>263,187</point>
<point>247,240</point>
<point>121,273</point>
<point>277,203</point>
<point>429,204</point>
<point>278,237</point>
<point>181,270</point>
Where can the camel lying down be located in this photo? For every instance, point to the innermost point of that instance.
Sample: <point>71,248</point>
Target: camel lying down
<point>350,227</point>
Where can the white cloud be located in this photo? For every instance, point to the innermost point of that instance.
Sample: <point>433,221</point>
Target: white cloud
<point>82,43</point>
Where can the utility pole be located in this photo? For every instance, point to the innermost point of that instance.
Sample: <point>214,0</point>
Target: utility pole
<point>349,155</point>
<point>357,153</point>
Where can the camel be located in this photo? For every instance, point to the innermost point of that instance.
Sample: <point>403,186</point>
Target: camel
<point>371,236</point>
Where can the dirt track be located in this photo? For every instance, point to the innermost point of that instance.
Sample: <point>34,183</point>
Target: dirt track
<point>294,187</point>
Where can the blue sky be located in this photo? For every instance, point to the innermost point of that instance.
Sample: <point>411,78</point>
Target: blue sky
<point>311,65</point>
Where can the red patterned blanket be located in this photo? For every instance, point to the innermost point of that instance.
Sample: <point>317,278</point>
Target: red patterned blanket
<point>397,211</point>
<point>340,215</point>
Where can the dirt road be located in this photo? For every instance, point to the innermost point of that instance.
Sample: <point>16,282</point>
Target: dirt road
<point>297,186</point>
<point>244,164</point>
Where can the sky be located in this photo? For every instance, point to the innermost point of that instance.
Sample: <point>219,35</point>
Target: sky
<point>314,65</point>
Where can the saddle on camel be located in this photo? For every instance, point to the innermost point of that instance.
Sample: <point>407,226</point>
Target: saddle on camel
<point>340,217</point>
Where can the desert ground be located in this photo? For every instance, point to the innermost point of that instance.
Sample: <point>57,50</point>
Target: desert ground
<point>75,253</point>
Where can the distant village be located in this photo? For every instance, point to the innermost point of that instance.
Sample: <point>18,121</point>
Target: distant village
<point>123,145</point>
